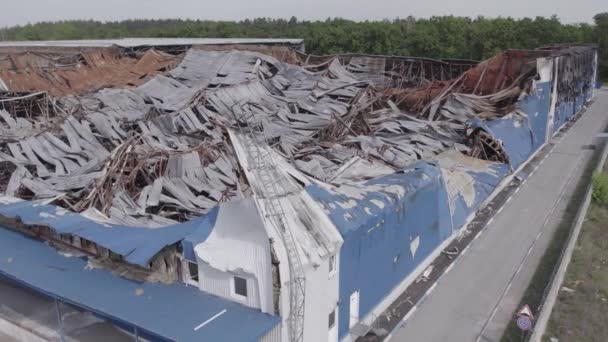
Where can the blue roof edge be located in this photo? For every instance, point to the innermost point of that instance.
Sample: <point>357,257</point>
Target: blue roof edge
<point>138,245</point>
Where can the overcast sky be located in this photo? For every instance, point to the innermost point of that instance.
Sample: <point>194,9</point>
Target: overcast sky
<point>29,11</point>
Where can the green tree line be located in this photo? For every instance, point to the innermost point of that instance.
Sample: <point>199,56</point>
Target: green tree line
<point>439,36</point>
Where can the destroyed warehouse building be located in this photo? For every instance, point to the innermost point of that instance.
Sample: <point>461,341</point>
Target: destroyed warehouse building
<point>243,183</point>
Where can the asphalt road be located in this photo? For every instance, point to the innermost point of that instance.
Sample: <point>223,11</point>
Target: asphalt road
<point>6,338</point>
<point>479,296</point>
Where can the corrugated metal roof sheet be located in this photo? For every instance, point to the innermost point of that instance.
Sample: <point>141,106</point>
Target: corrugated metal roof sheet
<point>169,311</point>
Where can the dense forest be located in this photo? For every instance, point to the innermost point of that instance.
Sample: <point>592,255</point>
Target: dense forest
<point>444,36</point>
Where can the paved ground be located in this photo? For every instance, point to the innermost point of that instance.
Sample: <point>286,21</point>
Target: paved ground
<point>6,338</point>
<point>37,313</point>
<point>478,297</point>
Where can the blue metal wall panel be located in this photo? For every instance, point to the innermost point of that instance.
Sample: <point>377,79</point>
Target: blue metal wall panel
<point>537,107</point>
<point>376,254</point>
<point>580,102</point>
<point>515,134</point>
<point>521,137</point>
<point>566,110</point>
<point>484,184</point>
<point>563,112</point>
<point>375,238</point>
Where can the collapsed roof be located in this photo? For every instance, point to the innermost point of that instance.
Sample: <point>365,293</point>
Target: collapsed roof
<point>62,74</point>
<point>143,139</point>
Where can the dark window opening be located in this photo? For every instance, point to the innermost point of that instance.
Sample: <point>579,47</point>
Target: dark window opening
<point>332,319</point>
<point>193,270</point>
<point>332,264</point>
<point>240,286</point>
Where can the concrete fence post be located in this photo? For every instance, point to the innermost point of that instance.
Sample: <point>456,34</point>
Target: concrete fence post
<point>59,320</point>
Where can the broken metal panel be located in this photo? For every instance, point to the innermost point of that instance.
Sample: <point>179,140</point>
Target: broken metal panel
<point>538,106</point>
<point>121,104</point>
<point>315,234</point>
<point>469,181</point>
<point>81,146</point>
<point>395,71</point>
<point>137,244</point>
<point>286,53</point>
<point>166,94</point>
<point>500,72</point>
<point>201,68</point>
<point>506,74</point>
<point>510,135</point>
<point>203,229</point>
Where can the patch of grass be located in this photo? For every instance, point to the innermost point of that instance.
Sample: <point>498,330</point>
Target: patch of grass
<point>543,275</point>
<point>582,315</point>
<point>600,188</point>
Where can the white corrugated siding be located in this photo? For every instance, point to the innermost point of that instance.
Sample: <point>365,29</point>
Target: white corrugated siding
<point>273,335</point>
<point>214,281</point>
<point>222,284</point>
<point>237,246</point>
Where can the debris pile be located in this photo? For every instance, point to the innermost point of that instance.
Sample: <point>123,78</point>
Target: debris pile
<point>152,148</point>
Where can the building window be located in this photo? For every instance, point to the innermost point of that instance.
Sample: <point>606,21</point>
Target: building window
<point>193,271</point>
<point>332,319</point>
<point>240,286</point>
<point>332,265</point>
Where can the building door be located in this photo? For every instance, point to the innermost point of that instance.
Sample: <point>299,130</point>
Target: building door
<point>354,309</point>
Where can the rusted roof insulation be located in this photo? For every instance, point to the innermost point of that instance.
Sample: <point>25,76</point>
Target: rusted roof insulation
<point>82,72</point>
<point>498,73</point>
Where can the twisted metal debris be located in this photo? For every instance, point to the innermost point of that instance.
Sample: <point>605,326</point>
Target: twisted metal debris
<point>152,149</point>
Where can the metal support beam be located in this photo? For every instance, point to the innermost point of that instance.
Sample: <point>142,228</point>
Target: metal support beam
<point>59,320</point>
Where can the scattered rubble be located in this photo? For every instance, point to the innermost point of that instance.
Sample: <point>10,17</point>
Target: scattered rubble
<point>567,289</point>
